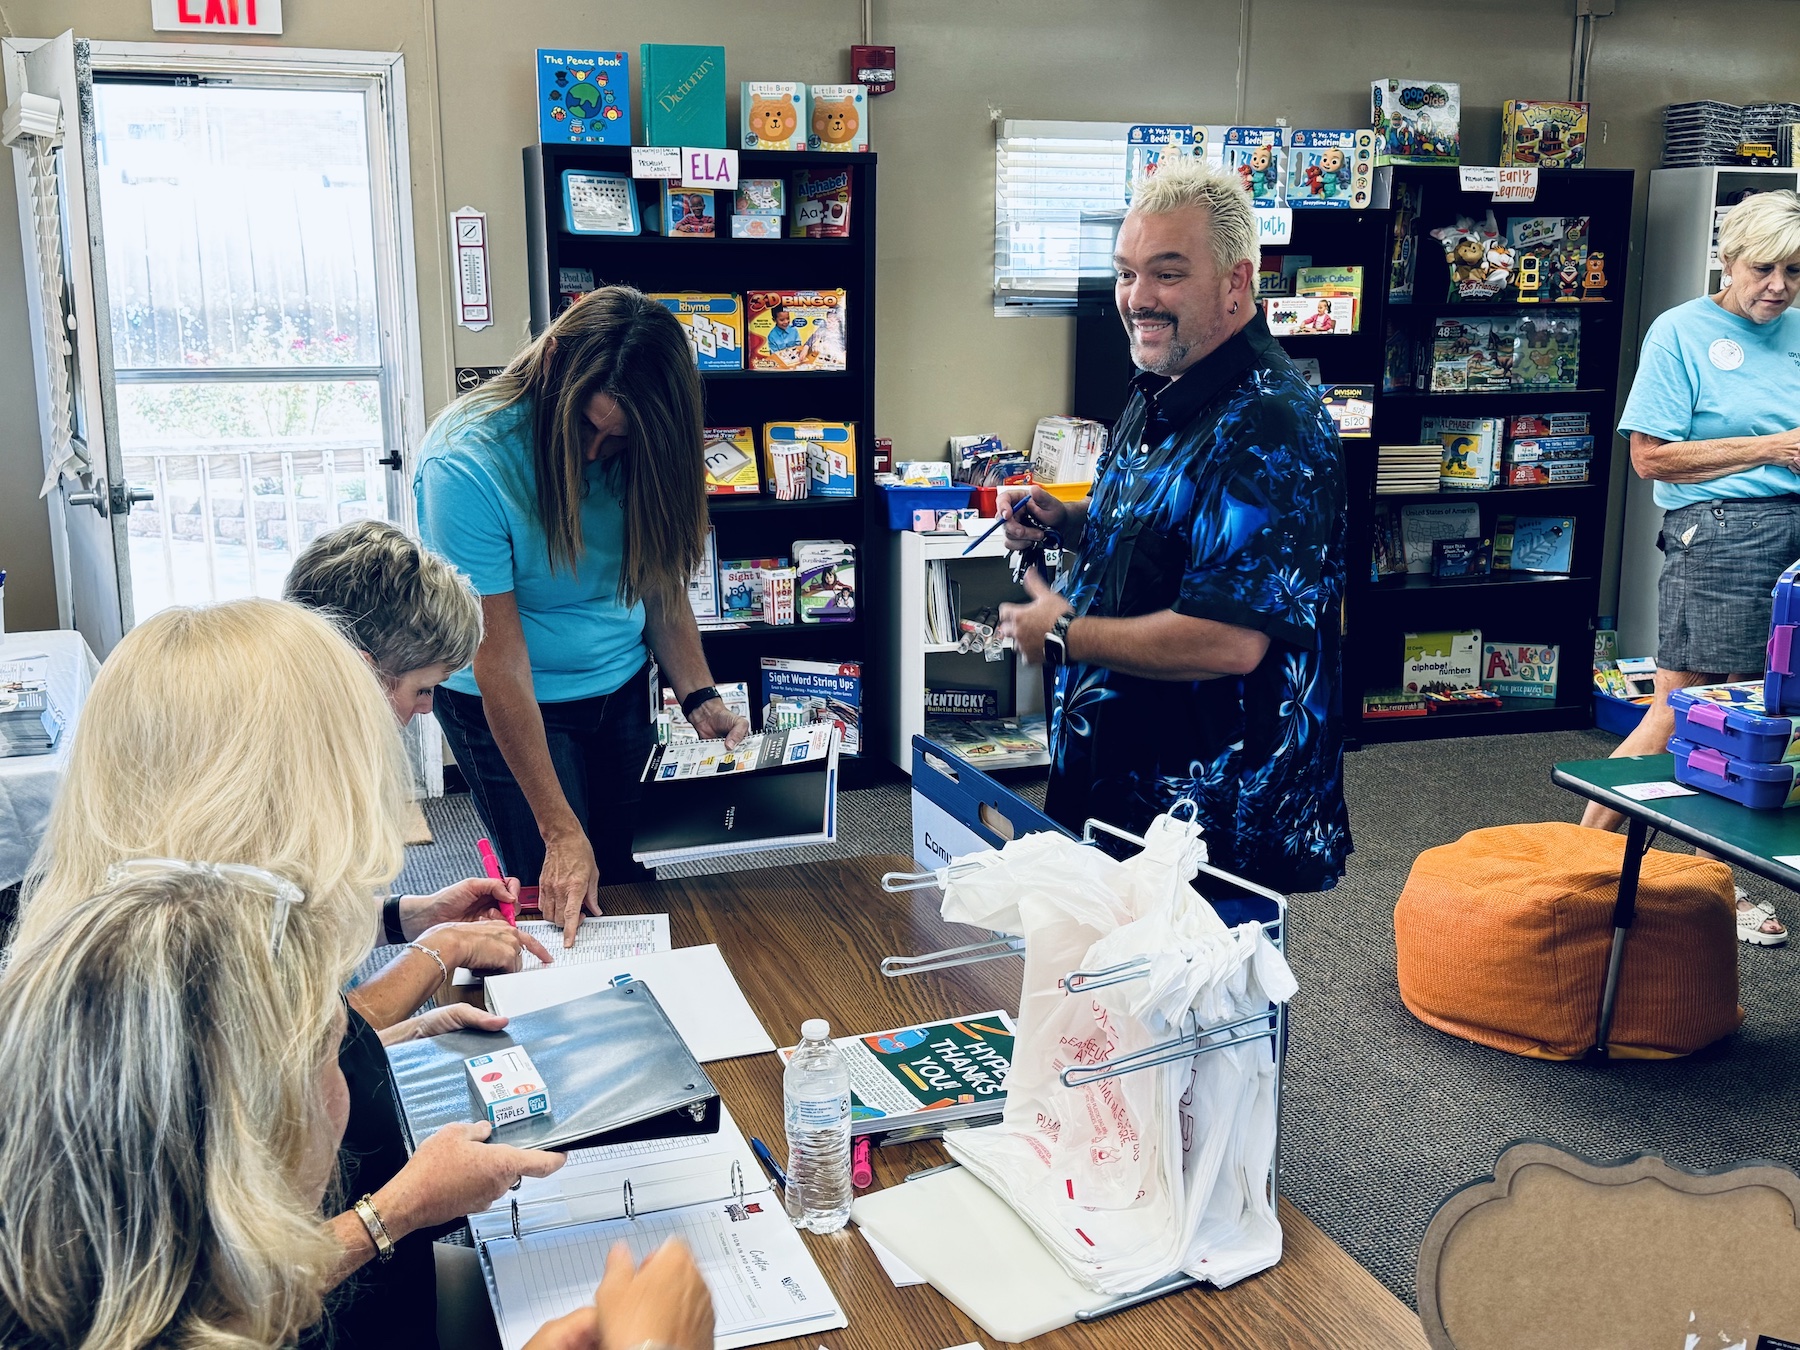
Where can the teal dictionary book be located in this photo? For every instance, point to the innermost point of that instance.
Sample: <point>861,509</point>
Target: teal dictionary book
<point>584,98</point>
<point>684,95</point>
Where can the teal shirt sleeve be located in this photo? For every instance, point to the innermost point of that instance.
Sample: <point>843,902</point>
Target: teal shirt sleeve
<point>1663,396</point>
<point>461,517</point>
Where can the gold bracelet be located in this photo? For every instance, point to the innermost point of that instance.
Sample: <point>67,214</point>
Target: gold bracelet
<point>378,1233</point>
<point>442,970</point>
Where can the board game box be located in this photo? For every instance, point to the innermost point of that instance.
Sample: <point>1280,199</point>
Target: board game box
<point>1416,121</point>
<point>796,330</point>
<point>729,454</point>
<point>1549,134</point>
<point>713,325</point>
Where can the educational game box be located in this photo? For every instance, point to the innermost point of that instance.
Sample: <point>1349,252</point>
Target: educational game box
<point>773,115</point>
<point>840,117</point>
<point>584,98</point>
<point>1255,154</point>
<point>1432,662</point>
<point>914,1077</point>
<point>1518,669</point>
<point>758,208</point>
<point>713,325</point>
<point>1416,121</point>
<point>820,205</point>
<point>831,688</point>
<point>830,453</point>
<point>796,330</point>
<point>1549,134</point>
<point>729,454</point>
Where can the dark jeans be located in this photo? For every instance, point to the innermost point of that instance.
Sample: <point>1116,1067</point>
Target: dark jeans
<point>598,746</point>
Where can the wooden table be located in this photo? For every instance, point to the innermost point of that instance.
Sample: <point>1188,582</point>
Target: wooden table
<point>804,942</point>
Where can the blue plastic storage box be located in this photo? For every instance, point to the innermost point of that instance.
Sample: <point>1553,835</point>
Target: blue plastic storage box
<point>1730,717</point>
<point>903,501</point>
<point>1618,715</point>
<point>1763,787</point>
<point>1781,680</point>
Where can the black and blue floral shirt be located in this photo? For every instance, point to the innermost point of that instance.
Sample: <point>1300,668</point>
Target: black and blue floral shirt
<point>1221,496</point>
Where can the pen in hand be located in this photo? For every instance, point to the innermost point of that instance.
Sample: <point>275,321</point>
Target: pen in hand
<point>490,862</point>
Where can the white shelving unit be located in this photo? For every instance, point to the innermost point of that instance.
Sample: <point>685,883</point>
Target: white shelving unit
<point>986,579</point>
<point>1678,266</point>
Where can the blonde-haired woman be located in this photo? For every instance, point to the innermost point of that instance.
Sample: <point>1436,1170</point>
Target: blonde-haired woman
<point>1714,421</point>
<point>180,1035</point>
<point>571,490</point>
<point>253,733</point>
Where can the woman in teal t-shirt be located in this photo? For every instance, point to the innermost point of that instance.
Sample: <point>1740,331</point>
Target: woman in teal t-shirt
<point>571,491</point>
<point>1714,421</point>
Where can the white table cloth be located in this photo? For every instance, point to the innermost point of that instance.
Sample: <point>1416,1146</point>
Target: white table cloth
<point>28,783</point>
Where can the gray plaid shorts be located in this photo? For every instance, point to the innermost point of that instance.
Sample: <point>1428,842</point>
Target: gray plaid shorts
<point>1721,560</point>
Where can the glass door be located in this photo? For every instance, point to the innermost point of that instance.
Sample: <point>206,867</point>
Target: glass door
<point>255,397</point>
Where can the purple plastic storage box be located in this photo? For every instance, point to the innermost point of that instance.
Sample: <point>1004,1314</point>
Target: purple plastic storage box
<point>1762,787</point>
<point>1730,717</point>
<point>1781,680</point>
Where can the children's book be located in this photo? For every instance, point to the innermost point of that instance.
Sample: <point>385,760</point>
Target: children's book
<point>1543,544</point>
<point>1518,669</point>
<point>684,95</point>
<point>1319,169</point>
<point>1471,461</point>
<point>1149,146</point>
<point>774,789</point>
<point>913,1081</point>
<point>584,98</point>
<point>1255,154</point>
<point>840,118</point>
<point>773,115</point>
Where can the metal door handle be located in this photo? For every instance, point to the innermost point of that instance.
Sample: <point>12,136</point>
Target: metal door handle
<point>390,460</point>
<point>124,497</point>
<point>97,500</point>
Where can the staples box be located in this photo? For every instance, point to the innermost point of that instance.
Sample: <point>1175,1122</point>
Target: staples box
<point>508,1086</point>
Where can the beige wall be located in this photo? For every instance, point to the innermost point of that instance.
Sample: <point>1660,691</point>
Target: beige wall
<point>946,364</point>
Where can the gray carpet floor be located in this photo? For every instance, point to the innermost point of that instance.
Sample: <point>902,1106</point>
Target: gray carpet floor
<point>1384,1116</point>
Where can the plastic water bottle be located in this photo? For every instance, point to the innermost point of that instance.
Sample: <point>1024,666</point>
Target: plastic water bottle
<point>816,1093</point>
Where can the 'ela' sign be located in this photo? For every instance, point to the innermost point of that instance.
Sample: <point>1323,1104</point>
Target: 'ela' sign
<point>709,168</point>
<point>215,16</point>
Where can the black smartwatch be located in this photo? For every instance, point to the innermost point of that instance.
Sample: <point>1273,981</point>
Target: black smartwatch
<point>390,920</point>
<point>691,704</point>
<point>1056,641</point>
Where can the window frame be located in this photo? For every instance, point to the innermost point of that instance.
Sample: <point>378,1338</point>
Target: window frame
<point>1060,294</point>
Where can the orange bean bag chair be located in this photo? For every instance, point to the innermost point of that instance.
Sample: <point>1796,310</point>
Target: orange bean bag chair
<point>1503,939</point>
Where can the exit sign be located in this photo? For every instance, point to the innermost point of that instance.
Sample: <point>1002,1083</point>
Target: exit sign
<point>215,16</point>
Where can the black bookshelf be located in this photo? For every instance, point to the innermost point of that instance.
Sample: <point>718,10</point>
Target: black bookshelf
<point>1509,607</point>
<point>753,526</point>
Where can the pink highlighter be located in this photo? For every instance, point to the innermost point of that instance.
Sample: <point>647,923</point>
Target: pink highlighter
<point>861,1174</point>
<point>490,861</point>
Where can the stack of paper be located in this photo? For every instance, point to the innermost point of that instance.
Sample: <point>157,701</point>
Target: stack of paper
<point>602,939</point>
<point>1407,468</point>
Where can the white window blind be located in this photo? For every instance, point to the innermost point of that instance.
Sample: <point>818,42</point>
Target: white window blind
<point>1059,193</point>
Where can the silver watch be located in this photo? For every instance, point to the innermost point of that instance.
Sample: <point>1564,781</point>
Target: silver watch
<point>1056,641</point>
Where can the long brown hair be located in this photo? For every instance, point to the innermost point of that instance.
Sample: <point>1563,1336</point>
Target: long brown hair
<point>615,341</point>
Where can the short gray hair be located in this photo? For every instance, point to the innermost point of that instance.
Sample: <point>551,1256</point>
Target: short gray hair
<point>1763,228</point>
<point>1180,184</point>
<point>396,599</point>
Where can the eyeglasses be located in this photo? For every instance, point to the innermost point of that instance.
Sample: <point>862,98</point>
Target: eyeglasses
<point>282,892</point>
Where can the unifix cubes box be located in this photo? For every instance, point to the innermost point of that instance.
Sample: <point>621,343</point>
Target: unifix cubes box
<point>729,454</point>
<point>713,324</point>
<point>840,117</point>
<point>773,115</point>
<point>508,1086</point>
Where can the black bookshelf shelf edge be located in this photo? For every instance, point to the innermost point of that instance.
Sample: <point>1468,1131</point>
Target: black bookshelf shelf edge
<point>1510,720</point>
<point>1449,309</point>
<point>1481,395</point>
<point>733,505</point>
<point>1414,582</point>
<point>770,630</point>
<point>623,152</point>
<point>781,374</point>
<point>1510,493</point>
<point>574,238</point>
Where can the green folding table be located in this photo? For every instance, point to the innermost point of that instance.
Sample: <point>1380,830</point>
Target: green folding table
<point>1764,842</point>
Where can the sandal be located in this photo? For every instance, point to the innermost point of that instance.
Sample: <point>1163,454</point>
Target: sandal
<point>1751,918</point>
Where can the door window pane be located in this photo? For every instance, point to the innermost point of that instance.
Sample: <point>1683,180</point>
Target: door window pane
<point>238,226</point>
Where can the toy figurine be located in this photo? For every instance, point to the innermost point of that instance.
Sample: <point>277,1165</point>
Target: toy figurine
<point>1531,279</point>
<point>1480,264</point>
<point>1595,280</point>
<point>1565,282</point>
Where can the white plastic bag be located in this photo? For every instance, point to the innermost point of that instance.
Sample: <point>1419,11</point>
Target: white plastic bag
<point>1130,1178</point>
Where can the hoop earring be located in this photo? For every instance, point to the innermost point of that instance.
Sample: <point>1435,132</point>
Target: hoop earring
<point>1234,307</point>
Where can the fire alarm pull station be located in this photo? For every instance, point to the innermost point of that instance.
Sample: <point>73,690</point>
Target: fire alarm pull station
<point>874,67</point>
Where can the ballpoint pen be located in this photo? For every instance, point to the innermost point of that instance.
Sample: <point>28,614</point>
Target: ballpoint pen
<point>491,862</point>
<point>767,1159</point>
<point>999,520</point>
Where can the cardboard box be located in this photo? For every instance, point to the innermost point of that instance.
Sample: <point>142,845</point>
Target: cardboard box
<point>508,1086</point>
<point>713,325</point>
<point>1543,132</point>
<point>1416,121</point>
